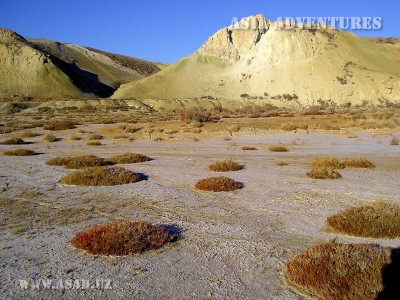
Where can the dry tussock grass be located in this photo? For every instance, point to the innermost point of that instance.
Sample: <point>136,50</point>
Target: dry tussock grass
<point>121,238</point>
<point>323,174</point>
<point>129,129</point>
<point>60,125</point>
<point>128,158</point>
<point>75,138</point>
<point>13,141</point>
<point>292,127</point>
<point>218,184</point>
<point>358,163</point>
<point>94,143</point>
<point>394,141</point>
<point>30,133</point>
<point>77,162</point>
<point>346,271</point>
<point>225,166</point>
<point>334,163</point>
<point>58,161</point>
<point>248,148</point>
<point>50,138</point>
<point>195,115</point>
<point>20,152</point>
<point>278,149</point>
<point>100,176</point>
<point>379,220</point>
<point>327,162</point>
<point>281,163</point>
<point>121,136</point>
<point>95,136</point>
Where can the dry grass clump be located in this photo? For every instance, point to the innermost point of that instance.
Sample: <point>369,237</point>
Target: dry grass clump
<point>121,238</point>
<point>84,161</point>
<point>195,115</point>
<point>13,141</point>
<point>394,141</point>
<point>60,125</point>
<point>218,184</point>
<point>379,220</point>
<point>225,166</point>
<point>121,136</point>
<point>281,163</point>
<point>291,127</point>
<point>58,161</point>
<point>278,149</point>
<point>95,136</point>
<point>30,133</point>
<point>94,143</point>
<point>248,148</point>
<point>128,158</point>
<point>358,163</point>
<point>75,138</point>
<point>20,152</point>
<point>327,162</point>
<point>50,138</point>
<point>77,162</point>
<point>323,174</point>
<point>100,176</point>
<point>346,271</point>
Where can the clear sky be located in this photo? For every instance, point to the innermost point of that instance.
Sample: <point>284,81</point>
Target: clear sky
<point>165,30</point>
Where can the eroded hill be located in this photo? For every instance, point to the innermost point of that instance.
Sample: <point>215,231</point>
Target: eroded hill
<point>48,69</point>
<point>282,65</point>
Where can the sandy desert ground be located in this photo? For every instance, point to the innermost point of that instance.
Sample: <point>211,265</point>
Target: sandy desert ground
<point>232,245</point>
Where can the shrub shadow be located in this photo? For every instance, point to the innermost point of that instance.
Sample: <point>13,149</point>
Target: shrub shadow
<point>174,230</point>
<point>241,184</point>
<point>391,278</point>
<point>142,176</point>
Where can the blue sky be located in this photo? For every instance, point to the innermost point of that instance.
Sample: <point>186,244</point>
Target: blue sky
<point>163,30</point>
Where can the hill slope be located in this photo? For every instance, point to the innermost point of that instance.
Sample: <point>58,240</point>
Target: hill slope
<point>285,65</point>
<point>44,69</point>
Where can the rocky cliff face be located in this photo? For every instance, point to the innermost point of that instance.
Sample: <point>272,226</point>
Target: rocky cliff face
<point>233,42</point>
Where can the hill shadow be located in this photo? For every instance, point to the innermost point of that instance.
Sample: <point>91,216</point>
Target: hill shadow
<point>86,81</point>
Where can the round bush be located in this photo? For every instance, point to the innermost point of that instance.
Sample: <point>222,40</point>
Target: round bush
<point>13,141</point>
<point>121,238</point>
<point>218,184</point>
<point>20,152</point>
<point>346,271</point>
<point>128,158</point>
<point>327,163</point>
<point>380,220</point>
<point>100,176</point>
<point>77,162</point>
<point>225,166</point>
<point>323,174</point>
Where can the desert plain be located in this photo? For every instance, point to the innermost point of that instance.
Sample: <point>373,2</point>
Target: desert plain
<point>229,245</point>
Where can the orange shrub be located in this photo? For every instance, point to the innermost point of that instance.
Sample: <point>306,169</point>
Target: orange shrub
<point>346,271</point>
<point>121,238</point>
<point>218,184</point>
<point>225,166</point>
<point>101,176</point>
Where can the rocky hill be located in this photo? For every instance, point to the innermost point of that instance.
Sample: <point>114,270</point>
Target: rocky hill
<point>47,69</point>
<point>282,65</point>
